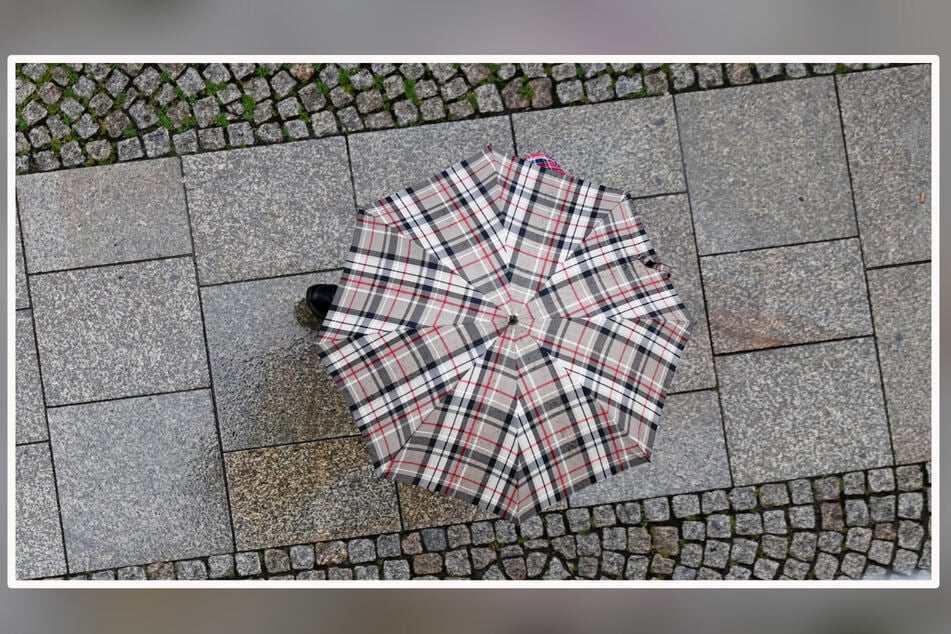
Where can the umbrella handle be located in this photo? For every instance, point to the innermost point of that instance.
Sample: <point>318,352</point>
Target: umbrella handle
<point>320,297</point>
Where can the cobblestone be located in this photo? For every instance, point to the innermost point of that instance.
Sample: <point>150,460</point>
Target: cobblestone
<point>362,550</point>
<point>276,560</point>
<point>803,546</point>
<point>222,95</point>
<point>775,522</point>
<point>656,509</point>
<point>744,551</point>
<point>856,513</point>
<point>881,480</point>
<point>858,539</point>
<point>578,519</point>
<point>910,505</point>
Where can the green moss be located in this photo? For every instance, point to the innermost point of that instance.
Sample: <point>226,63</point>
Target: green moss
<point>409,86</point>
<point>129,132</point>
<point>188,123</point>
<point>303,114</point>
<point>71,76</point>
<point>324,89</point>
<point>247,103</point>
<point>260,71</point>
<point>165,122</point>
<point>343,78</point>
<point>841,69</point>
<point>526,90</point>
<point>221,120</point>
<point>212,88</point>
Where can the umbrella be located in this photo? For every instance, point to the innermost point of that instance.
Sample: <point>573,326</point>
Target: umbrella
<point>503,333</point>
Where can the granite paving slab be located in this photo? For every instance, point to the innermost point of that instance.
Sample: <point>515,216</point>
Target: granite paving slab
<point>803,410</point>
<point>689,455</point>
<point>786,295</point>
<point>765,165</point>
<point>103,215</point>
<point>39,539</point>
<point>140,480</point>
<point>630,145</point>
<point>270,387</point>
<point>667,219</point>
<point>422,508</point>
<point>22,294</point>
<point>901,306</point>
<point>388,161</point>
<point>306,492</point>
<point>267,211</point>
<point>122,330</point>
<point>886,115</point>
<point>30,411</point>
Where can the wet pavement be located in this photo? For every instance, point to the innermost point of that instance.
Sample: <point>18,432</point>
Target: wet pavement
<point>174,419</point>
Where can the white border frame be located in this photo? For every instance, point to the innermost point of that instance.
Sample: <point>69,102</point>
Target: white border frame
<point>12,582</point>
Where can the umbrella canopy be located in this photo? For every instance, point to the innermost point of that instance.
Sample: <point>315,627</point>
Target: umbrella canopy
<point>504,334</point>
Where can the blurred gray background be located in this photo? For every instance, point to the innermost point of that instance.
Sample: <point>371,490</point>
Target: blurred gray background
<point>598,27</point>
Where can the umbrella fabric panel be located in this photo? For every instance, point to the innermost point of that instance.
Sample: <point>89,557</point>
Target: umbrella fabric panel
<point>544,216</point>
<point>455,218</point>
<point>466,446</point>
<point>516,436</point>
<point>627,364</point>
<point>392,379</point>
<point>608,275</point>
<point>391,283</point>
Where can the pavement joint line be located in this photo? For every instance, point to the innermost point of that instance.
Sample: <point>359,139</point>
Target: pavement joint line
<point>292,443</point>
<point>898,265</point>
<point>49,441</point>
<point>271,277</point>
<point>780,246</point>
<point>211,380</point>
<point>128,396</point>
<point>798,344</point>
<point>703,292</point>
<point>868,293</point>
<point>105,265</point>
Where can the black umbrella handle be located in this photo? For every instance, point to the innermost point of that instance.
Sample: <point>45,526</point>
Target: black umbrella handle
<point>320,297</point>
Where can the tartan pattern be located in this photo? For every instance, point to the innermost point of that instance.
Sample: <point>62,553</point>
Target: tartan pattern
<point>452,395</point>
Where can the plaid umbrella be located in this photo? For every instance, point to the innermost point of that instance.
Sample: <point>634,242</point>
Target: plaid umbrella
<point>503,333</point>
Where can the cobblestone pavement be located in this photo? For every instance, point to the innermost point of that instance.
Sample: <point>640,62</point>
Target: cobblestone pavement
<point>173,420</point>
<point>872,524</point>
<point>73,115</point>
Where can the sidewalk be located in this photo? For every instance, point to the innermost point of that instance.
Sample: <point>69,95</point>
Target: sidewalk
<point>174,420</point>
